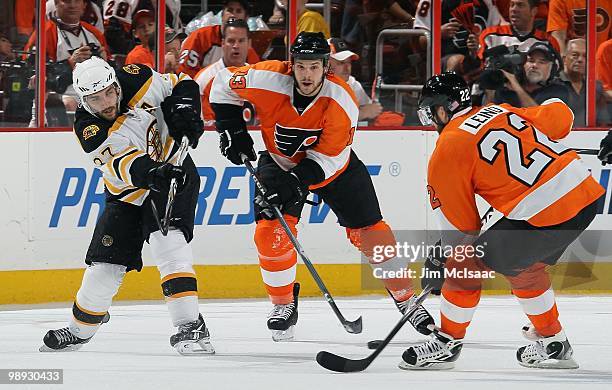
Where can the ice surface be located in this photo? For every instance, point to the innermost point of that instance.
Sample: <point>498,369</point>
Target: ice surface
<point>132,351</point>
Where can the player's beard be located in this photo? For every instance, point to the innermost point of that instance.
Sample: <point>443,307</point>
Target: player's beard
<point>313,91</point>
<point>110,113</point>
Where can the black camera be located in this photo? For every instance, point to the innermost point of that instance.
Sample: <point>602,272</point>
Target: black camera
<point>15,79</point>
<point>497,58</point>
<point>59,76</point>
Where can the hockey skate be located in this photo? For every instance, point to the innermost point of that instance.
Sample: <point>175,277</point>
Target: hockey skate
<point>282,319</point>
<point>63,340</point>
<point>193,338</point>
<point>547,352</point>
<point>439,353</point>
<point>421,320</point>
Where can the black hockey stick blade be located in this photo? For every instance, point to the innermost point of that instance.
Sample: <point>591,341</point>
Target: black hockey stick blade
<point>587,151</point>
<point>337,363</point>
<point>353,326</point>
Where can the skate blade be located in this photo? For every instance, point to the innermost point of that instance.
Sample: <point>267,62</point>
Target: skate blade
<point>564,364</point>
<point>70,348</point>
<point>283,335</point>
<point>190,348</point>
<point>431,366</point>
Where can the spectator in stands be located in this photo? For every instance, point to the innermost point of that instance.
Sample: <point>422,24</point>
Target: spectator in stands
<point>538,82</point>
<point>462,22</point>
<point>173,40</point>
<point>203,46</point>
<point>311,21</point>
<point>235,45</point>
<point>567,20</point>
<point>69,41</point>
<point>6,48</point>
<point>92,13</point>
<point>340,62</point>
<point>520,33</point>
<point>574,75</point>
<point>603,63</point>
<point>143,26</point>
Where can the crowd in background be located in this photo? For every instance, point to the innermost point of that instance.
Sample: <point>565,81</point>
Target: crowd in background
<point>520,52</point>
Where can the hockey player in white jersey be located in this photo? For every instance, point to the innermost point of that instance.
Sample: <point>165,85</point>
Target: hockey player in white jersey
<point>136,150</point>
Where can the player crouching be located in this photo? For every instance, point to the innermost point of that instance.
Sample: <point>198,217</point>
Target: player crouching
<point>548,197</point>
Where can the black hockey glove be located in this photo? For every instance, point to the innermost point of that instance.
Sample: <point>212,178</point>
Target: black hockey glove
<point>234,140</point>
<point>434,269</point>
<point>182,116</point>
<point>284,189</point>
<point>605,150</point>
<point>159,177</point>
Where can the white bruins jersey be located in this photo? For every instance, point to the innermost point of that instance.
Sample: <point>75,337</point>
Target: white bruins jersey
<point>126,148</point>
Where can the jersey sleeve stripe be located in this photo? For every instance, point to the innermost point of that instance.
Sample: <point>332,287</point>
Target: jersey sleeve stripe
<point>125,164</point>
<point>131,198</point>
<point>141,92</point>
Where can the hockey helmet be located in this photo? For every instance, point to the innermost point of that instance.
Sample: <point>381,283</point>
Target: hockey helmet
<point>91,76</point>
<point>448,90</point>
<point>310,46</point>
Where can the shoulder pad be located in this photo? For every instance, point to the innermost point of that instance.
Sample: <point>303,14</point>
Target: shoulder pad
<point>90,130</point>
<point>132,78</point>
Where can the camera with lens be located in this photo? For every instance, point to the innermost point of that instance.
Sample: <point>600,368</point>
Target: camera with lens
<point>15,77</point>
<point>497,58</point>
<point>59,76</point>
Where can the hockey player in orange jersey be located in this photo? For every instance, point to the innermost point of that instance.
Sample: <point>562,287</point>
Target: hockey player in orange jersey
<point>510,158</point>
<point>308,118</point>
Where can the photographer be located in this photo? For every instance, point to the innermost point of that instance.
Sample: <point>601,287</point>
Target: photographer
<point>68,42</point>
<point>535,83</point>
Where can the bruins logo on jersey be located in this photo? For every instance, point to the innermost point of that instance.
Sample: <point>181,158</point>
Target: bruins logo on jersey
<point>90,131</point>
<point>155,149</point>
<point>289,141</point>
<point>132,69</point>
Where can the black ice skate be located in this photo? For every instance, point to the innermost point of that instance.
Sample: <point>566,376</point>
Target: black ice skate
<point>439,353</point>
<point>193,338</point>
<point>282,319</point>
<point>61,340</point>
<point>547,352</point>
<point>421,320</point>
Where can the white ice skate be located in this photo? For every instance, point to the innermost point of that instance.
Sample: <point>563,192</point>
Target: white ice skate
<point>547,352</point>
<point>193,338</point>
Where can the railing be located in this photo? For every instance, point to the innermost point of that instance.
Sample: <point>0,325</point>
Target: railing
<point>379,61</point>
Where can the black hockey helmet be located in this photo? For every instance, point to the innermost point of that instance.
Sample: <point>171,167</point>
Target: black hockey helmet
<point>448,90</point>
<point>310,46</point>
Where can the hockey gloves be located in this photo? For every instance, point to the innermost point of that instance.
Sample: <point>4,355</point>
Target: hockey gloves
<point>159,177</point>
<point>434,269</point>
<point>234,140</point>
<point>182,116</point>
<point>605,149</point>
<point>284,189</point>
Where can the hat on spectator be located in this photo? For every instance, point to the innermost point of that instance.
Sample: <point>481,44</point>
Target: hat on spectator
<point>340,51</point>
<point>140,14</point>
<point>547,49</point>
<point>171,34</point>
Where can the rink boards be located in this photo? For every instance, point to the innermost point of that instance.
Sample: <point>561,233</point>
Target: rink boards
<point>50,197</point>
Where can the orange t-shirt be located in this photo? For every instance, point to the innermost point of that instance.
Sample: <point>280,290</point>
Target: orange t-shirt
<point>571,15</point>
<point>140,55</point>
<point>508,156</point>
<point>323,132</point>
<point>203,47</point>
<point>603,64</point>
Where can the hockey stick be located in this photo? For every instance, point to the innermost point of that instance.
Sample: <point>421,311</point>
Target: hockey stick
<point>350,326</point>
<point>587,151</point>
<point>337,363</point>
<point>164,223</point>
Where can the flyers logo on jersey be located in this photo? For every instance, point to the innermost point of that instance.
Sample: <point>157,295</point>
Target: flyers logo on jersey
<point>238,80</point>
<point>433,200</point>
<point>289,141</point>
<point>132,69</point>
<point>90,131</point>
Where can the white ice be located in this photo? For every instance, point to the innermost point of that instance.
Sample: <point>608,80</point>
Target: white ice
<point>132,351</point>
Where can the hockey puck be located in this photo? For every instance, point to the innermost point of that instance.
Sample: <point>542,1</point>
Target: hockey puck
<point>374,344</point>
